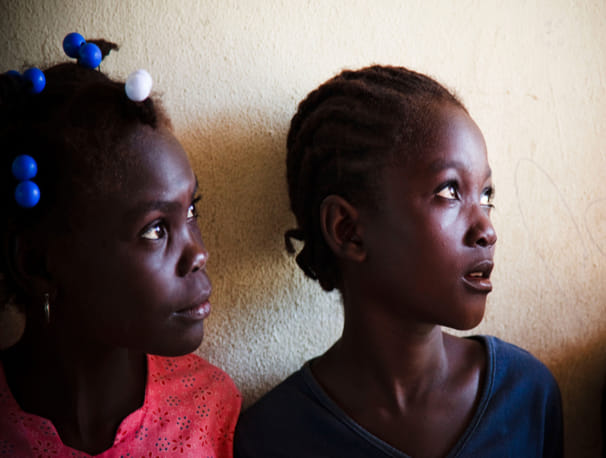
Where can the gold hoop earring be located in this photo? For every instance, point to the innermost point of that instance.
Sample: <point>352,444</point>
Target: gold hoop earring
<point>46,309</point>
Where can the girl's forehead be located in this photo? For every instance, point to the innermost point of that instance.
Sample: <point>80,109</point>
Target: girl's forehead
<point>147,161</point>
<point>454,133</point>
<point>135,154</point>
<point>151,159</point>
<point>451,140</point>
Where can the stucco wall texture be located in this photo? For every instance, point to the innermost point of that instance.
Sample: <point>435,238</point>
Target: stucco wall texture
<point>231,73</point>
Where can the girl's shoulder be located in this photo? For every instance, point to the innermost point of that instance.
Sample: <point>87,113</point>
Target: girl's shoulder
<point>189,404</point>
<point>519,405</point>
<point>507,354</point>
<point>188,373</point>
<point>510,368</point>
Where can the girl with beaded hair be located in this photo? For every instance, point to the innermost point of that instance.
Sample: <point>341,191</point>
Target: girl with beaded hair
<point>389,181</point>
<point>104,268</point>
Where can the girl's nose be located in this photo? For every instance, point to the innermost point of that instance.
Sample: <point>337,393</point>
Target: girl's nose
<point>193,258</point>
<point>481,231</point>
<point>199,260</point>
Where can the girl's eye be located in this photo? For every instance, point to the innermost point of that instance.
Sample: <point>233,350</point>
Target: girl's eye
<point>487,197</point>
<point>192,211</point>
<point>155,232</point>
<point>449,191</point>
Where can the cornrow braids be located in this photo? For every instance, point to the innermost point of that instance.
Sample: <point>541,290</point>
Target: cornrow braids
<point>73,129</point>
<point>341,137</point>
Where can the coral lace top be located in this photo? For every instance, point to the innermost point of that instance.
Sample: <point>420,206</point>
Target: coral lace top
<point>190,409</point>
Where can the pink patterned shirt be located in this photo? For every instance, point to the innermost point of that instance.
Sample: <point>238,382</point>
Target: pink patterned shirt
<point>190,410</point>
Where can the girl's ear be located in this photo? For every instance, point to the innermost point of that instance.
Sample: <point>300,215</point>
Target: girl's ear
<point>341,228</point>
<point>26,258</point>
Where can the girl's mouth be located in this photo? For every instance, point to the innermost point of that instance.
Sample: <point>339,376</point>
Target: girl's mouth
<point>478,278</point>
<point>195,313</point>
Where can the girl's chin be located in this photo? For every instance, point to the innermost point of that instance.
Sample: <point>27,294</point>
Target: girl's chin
<point>469,321</point>
<point>183,344</point>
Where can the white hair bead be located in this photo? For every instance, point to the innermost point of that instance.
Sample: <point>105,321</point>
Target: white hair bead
<point>138,85</point>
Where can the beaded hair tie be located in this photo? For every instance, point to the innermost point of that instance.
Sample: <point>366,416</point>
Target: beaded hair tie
<point>27,193</point>
<point>138,84</point>
<point>88,54</point>
<point>24,167</point>
<point>33,77</point>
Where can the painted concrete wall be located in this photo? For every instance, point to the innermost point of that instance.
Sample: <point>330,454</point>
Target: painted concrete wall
<point>231,72</point>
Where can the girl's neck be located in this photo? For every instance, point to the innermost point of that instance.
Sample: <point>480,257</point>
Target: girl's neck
<point>398,361</point>
<point>85,390</point>
<point>391,372</point>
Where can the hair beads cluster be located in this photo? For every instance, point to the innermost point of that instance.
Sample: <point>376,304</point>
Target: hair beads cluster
<point>72,129</point>
<point>341,137</point>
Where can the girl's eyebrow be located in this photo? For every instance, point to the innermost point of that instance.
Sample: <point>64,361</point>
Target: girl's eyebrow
<point>166,206</point>
<point>440,164</point>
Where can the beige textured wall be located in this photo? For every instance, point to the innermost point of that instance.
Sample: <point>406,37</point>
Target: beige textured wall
<point>231,72</point>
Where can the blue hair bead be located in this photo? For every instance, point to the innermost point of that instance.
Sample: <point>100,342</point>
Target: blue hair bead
<point>14,73</point>
<point>90,55</point>
<point>72,44</point>
<point>27,194</point>
<point>24,167</point>
<point>36,77</point>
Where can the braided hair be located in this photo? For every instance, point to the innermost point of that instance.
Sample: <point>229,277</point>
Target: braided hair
<point>73,129</point>
<point>342,136</point>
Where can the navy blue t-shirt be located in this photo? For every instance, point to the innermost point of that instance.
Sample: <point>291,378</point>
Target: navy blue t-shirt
<point>519,415</point>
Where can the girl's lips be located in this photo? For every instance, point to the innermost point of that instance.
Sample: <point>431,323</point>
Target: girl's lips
<point>478,284</point>
<point>478,277</point>
<point>195,313</point>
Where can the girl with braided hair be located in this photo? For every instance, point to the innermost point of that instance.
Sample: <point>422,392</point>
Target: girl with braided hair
<point>103,261</point>
<point>389,181</point>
